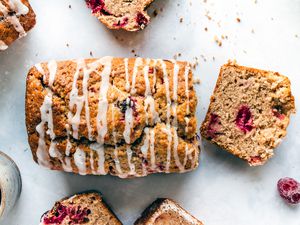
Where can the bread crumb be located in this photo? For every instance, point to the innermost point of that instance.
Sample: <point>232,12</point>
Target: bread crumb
<point>218,41</point>
<point>197,81</point>
<point>238,19</point>
<point>91,54</point>
<point>181,20</point>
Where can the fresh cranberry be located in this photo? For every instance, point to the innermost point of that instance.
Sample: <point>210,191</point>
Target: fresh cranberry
<point>141,20</point>
<point>289,189</point>
<point>151,70</point>
<point>213,125</point>
<point>123,23</point>
<point>59,214</point>
<point>244,119</point>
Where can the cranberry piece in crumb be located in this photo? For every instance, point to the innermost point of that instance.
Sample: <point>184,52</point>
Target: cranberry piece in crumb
<point>141,20</point>
<point>59,214</point>
<point>122,23</point>
<point>97,6</point>
<point>78,215</point>
<point>278,112</point>
<point>213,124</point>
<point>244,119</point>
<point>255,160</point>
<point>289,189</point>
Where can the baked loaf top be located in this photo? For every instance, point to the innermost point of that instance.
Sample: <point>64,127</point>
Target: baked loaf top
<point>87,209</point>
<point>121,14</point>
<point>249,112</point>
<point>166,212</point>
<point>126,117</point>
<point>16,19</point>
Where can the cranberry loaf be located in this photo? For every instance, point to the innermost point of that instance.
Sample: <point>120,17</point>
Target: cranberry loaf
<point>119,116</point>
<point>88,209</point>
<point>121,14</point>
<point>249,112</point>
<point>166,212</point>
<point>16,18</point>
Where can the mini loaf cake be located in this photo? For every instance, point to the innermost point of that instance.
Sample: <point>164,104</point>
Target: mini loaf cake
<point>249,112</point>
<point>129,15</point>
<point>119,116</point>
<point>16,18</point>
<point>87,209</point>
<point>166,212</point>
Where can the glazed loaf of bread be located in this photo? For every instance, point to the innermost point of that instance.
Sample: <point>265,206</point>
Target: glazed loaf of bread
<point>16,19</point>
<point>165,211</point>
<point>119,116</point>
<point>121,14</point>
<point>87,208</point>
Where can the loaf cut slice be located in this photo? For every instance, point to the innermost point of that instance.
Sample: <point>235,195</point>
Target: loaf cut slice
<point>166,212</point>
<point>121,14</point>
<point>16,19</point>
<point>249,112</point>
<point>87,209</point>
<point>119,116</point>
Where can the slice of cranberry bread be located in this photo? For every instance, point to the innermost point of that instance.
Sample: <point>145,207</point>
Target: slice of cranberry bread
<point>249,112</point>
<point>129,15</point>
<point>87,209</point>
<point>119,116</point>
<point>16,19</point>
<point>166,212</point>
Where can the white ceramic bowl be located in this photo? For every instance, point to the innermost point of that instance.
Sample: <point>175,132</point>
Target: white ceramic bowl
<point>10,184</point>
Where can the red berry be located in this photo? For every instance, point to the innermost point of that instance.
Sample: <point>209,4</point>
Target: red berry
<point>289,189</point>
<point>244,119</point>
<point>213,125</point>
<point>141,20</point>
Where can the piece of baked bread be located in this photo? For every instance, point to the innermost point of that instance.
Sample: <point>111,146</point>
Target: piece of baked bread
<point>121,14</point>
<point>16,19</point>
<point>166,212</point>
<point>249,112</point>
<point>119,116</point>
<point>87,208</point>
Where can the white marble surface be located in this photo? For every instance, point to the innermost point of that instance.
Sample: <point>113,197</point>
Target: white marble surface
<point>223,190</point>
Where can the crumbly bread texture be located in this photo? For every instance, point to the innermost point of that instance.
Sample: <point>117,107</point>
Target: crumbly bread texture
<point>87,209</point>
<point>16,19</point>
<point>129,15</point>
<point>249,112</point>
<point>119,116</point>
<point>166,212</point>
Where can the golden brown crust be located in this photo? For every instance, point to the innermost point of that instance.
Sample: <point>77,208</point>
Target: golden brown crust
<point>168,212</point>
<point>176,155</point>
<point>8,34</point>
<point>268,94</point>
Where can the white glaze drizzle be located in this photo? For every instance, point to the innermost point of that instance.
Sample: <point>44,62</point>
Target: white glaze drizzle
<point>127,85</point>
<point>3,46</point>
<point>20,9</point>
<point>80,161</point>
<point>102,110</point>
<point>39,68</point>
<point>145,148</point>
<point>168,125</point>
<point>129,121</point>
<point>149,100</point>
<point>186,77</point>
<point>138,62</point>
<point>46,118</point>
<point>116,158</point>
<point>76,100</point>
<point>129,157</point>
